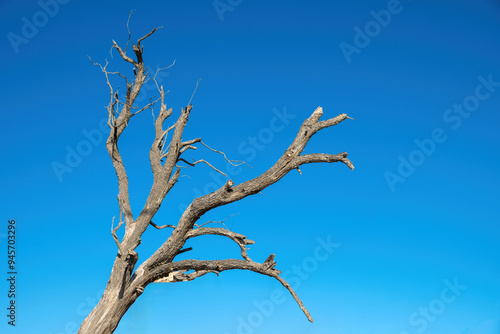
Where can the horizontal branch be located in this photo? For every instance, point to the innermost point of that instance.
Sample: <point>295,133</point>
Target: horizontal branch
<point>181,276</point>
<point>202,267</point>
<point>321,157</point>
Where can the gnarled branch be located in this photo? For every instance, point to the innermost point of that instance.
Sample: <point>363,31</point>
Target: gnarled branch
<point>240,239</point>
<point>169,271</point>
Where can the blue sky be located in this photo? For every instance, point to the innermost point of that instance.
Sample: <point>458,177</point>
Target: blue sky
<point>406,243</point>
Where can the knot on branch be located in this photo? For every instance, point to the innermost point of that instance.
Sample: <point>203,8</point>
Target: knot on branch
<point>269,263</point>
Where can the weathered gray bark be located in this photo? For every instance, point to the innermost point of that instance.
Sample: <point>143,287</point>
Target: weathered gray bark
<point>125,284</point>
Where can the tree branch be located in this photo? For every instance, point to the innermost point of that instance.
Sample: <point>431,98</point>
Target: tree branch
<point>181,276</point>
<point>129,34</point>
<point>201,160</point>
<point>232,162</point>
<point>167,272</point>
<point>115,237</point>
<point>240,239</point>
<point>321,157</point>
<point>118,125</point>
<point>123,55</point>
<point>217,222</point>
<point>160,227</point>
<point>229,193</point>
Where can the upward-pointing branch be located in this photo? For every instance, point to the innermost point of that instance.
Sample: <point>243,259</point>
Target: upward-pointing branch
<point>228,193</point>
<point>118,125</point>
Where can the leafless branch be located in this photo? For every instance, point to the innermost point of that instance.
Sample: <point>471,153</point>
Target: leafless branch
<point>217,222</point>
<point>181,276</point>
<point>129,35</point>
<point>163,271</point>
<point>188,147</point>
<point>113,233</point>
<point>228,193</point>
<point>161,227</point>
<point>123,55</point>
<point>190,142</point>
<point>240,239</point>
<point>294,295</point>
<point>202,160</point>
<point>147,106</point>
<point>147,35</point>
<point>192,95</point>
<point>184,250</point>
<point>232,162</point>
<point>321,157</point>
<point>156,73</point>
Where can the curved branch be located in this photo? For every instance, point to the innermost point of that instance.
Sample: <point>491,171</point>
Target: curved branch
<point>202,267</point>
<point>160,227</point>
<point>240,239</point>
<point>232,162</point>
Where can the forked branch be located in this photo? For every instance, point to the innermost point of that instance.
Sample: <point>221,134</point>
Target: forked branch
<point>125,284</point>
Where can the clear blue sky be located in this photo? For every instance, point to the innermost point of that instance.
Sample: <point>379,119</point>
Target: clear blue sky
<point>418,214</point>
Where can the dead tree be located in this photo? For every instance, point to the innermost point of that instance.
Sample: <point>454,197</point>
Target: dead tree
<point>126,282</point>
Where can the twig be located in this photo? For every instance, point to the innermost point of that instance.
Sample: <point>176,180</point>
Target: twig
<point>197,82</point>
<point>218,222</point>
<point>128,40</point>
<point>201,160</point>
<point>225,157</point>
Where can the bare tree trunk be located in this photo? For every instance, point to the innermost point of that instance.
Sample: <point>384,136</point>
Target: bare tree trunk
<point>126,282</point>
<point>115,301</point>
<point>107,314</point>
